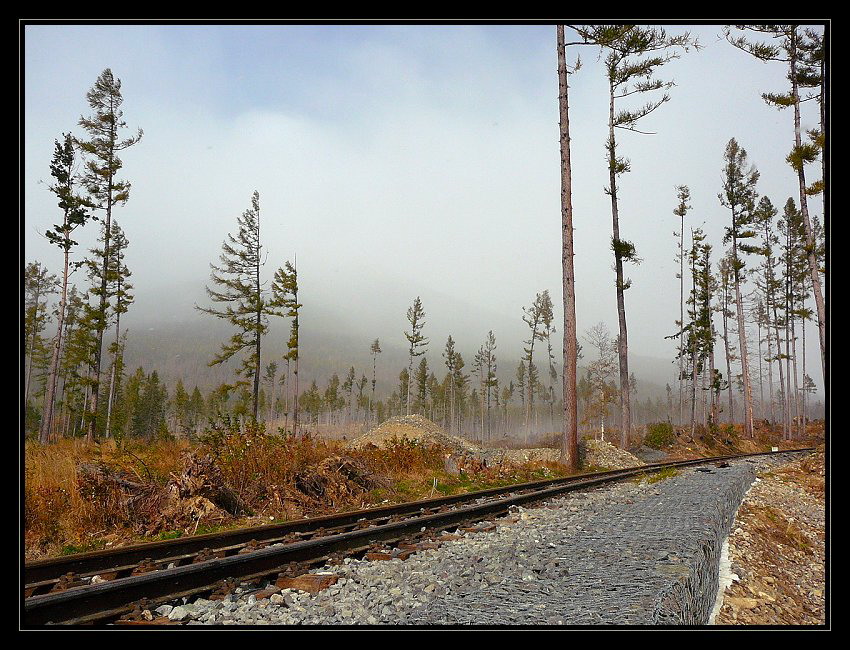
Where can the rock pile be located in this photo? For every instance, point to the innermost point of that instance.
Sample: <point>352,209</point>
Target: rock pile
<point>536,455</point>
<point>598,453</point>
<point>413,428</point>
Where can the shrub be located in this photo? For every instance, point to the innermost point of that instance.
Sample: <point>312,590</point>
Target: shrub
<point>659,434</point>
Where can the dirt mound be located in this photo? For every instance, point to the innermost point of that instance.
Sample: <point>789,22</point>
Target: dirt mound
<point>598,453</point>
<point>413,428</point>
<point>535,455</point>
<point>592,453</point>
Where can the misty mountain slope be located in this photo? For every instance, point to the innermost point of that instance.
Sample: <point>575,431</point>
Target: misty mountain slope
<point>166,334</point>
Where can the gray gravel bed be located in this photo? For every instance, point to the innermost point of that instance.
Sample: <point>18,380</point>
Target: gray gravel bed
<point>626,554</point>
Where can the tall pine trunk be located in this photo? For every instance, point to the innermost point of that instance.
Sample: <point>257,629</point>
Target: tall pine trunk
<point>50,389</point>
<point>569,441</point>
<point>622,340</point>
<point>681,314</point>
<point>101,316</point>
<point>742,341</point>
<point>804,207</point>
<point>770,374</point>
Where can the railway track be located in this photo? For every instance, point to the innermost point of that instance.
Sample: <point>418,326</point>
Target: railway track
<point>103,586</point>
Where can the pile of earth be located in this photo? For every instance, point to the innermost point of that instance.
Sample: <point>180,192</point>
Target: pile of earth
<point>533,455</point>
<point>599,453</point>
<point>413,428</point>
<point>421,430</point>
<point>591,453</point>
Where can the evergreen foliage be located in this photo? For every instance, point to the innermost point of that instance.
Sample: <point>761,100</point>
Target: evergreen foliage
<point>237,286</point>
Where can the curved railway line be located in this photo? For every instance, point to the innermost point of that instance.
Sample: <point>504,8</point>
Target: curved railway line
<point>116,585</point>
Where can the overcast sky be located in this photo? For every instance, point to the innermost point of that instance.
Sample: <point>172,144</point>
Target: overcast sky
<point>398,161</point>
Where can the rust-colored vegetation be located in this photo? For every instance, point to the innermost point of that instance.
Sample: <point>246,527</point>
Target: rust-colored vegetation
<point>80,497</point>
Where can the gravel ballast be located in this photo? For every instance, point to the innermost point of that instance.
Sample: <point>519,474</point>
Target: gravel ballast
<point>631,553</point>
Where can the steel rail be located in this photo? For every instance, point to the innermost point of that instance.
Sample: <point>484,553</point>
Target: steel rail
<point>95,603</point>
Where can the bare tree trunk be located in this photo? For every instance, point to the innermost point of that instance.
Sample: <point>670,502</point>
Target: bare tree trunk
<point>769,370</point>
<point>797,405</point>
<point>32,346</point>
<point>804,396</point>
<point>681,313</point>
<point>761,377</point>
<point>295,401</point>
<point>101,329</point>
<point>742,339</point>
<point>728,355</point>
<point>693,391</point>
<point>786,422</point>
<point>109,403</point>
<point>623,339</point>
<point>804,208</point>
<point>712,396</point>
<point>788,377</point>
<point>50,390</point>
<point>257,323</point>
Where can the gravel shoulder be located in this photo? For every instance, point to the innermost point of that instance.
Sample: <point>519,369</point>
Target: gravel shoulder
<point>777,549</point>
<point>632,553</point>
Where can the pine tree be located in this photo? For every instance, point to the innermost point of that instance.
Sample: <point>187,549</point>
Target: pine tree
<point>375,350</point>
<point>700,329</point>
<point>602,392</point>
<point>39,283</point>
<point>118,299</point>
<point>451,360</point>
<point>331,396</point>
<point>404,391</point>
<point>507,396</point>
<point>362,402</point>
<point>739,195</point>
<point>148,418</point>
<point>520,381</point>
<point>552,370</point>
<point>284,302</point>
<point>803,52</point>
<point>105,192</point>
<point>348,387</point>
<point>421,380</point>
<point>270,376</point>
<point>78,343</point>
<point>633,56</point>
<point>796,292</point>
<point>771,288</point>
<point>459,383</point>
<point>240,291</point>
<point>74,215</point>
<point>179,408</point>
<point>417,342</point>
<point>534,317</point>
<point>684,195</point>
<point>197,409</point>
<point>724,271</point>
<point>490,382</point>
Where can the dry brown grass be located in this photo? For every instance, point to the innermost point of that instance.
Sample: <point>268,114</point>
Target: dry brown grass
<point>64,508</point>
<point>776,527</point>
<point>74,499</point>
